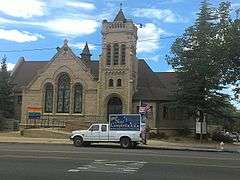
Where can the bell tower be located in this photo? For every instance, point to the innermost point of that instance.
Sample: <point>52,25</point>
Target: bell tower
<point>118,65</point>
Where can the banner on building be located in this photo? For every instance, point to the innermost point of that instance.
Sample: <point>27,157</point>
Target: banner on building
<point>144,108</point>
<point>34,112</point>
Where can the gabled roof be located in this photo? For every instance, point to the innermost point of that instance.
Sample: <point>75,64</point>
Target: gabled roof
<point>149,86</point>
<point>120,16</point>
<point>25,73</point>
<point>152,86</point>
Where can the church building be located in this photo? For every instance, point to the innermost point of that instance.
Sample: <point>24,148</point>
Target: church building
<point>80,91</point>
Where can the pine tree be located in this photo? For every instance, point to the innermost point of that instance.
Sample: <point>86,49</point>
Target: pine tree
<point>198,68</point>
<point>6,98</point>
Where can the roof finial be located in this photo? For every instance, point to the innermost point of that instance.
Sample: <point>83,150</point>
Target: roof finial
<point>121,6</point>
<point>65,41</point>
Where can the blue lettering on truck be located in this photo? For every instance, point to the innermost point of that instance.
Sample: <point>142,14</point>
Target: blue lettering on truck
<point>122,122</point>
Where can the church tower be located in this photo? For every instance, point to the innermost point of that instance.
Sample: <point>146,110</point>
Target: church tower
<point>117,66</point>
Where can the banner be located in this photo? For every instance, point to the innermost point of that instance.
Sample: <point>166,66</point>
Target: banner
<point>34,112</point>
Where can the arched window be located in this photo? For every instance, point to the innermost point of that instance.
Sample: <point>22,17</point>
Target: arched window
<point>78,98</point>
<point>108,54</point>
<point>123,54</point>
<point>63,102</point>
<point>116,54</point>
<point>48,98</point>
<point>110,83</point>
<point>119,82</point>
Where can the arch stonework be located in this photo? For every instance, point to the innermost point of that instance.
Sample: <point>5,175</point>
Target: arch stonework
<point>106,100</point>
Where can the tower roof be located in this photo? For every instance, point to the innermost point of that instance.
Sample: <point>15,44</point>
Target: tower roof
<point>86,50</point>
<point>120,16</point>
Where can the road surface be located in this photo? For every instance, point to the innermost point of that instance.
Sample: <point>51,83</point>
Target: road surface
<point>65,162</point>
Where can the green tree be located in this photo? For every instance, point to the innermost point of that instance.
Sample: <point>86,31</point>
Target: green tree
<point>195,58</point>
<point>6,95</point>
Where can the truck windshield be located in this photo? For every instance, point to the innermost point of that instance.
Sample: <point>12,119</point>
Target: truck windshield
<point>94,128</point>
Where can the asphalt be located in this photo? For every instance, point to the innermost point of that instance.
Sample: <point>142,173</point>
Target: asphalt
<point>152,144</point>
<point>55,161</point>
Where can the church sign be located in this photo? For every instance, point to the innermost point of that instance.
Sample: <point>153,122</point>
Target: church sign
<point>34,112</point>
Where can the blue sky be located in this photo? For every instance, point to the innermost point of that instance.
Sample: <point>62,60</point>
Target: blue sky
<point>33,24</point>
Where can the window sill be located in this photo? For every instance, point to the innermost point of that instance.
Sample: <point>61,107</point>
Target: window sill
<point>77,114</point>
<point>46,114</point>
<point>62,114</point>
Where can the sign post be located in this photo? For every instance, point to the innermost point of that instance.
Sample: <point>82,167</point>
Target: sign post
<point>201,126</point>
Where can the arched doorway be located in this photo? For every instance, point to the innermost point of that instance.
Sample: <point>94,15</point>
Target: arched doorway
<point>114,106</point>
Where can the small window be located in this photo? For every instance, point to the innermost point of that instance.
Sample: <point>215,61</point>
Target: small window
<point>119,82</point>
<point>104,128</point>
<point>165,112</point>
<point>19,99</point>
<point>110,83</point>
<point>94,128</point>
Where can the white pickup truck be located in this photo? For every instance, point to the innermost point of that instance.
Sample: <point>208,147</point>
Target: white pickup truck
<point>124,129</point>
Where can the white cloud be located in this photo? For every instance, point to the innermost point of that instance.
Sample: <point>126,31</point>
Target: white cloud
<point>149,38</point>
<point>19,36</point>
<point>165,15</point>
<point>82,45</point>
<point>22,8</point>
<point>10,66</point>
<point>82,5</point>
<point>71,27</point>
<point>235,5</point>
<point>75,26</point>
<point>156,58</point>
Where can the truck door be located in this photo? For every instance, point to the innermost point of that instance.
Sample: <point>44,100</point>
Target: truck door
<point>93,133</point>
<point>104,133</point>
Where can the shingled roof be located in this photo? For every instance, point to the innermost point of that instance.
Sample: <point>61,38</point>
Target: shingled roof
<point>25,72</point>
<point>151,85</point>
<point>120,16</point>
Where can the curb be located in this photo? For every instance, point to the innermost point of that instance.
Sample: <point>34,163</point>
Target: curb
<point>190,149</point>
<point>139,147</point>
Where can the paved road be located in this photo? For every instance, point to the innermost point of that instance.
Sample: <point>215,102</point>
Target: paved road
<point>57,162</point>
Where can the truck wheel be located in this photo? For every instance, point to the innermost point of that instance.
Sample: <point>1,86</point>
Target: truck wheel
<point>125,142</point>
<point>78,141</point>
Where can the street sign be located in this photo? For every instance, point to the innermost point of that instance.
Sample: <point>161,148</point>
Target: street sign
<point>201,127</point>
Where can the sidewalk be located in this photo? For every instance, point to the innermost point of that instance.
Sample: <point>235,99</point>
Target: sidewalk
<point>152,144</point>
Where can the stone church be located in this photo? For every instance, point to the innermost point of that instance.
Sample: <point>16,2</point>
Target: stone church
<point>79,91</point>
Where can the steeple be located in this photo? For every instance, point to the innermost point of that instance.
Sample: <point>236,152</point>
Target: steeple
<point>86,55</point>
<point>120,16</point>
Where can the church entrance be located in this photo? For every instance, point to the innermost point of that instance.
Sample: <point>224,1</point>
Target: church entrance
<point>114,106</point>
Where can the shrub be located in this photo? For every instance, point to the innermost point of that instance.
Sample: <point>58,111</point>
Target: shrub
<point>184,132</point>
<point>161,135</point>
<point>221,137</point>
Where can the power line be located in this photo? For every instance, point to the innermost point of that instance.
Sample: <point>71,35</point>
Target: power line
<point>24,50</point>
<point>95,44</point>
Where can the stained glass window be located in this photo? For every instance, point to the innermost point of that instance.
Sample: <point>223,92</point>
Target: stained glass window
<point>63,102</point>
<point>48,98</point>
<point>78,98</point>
